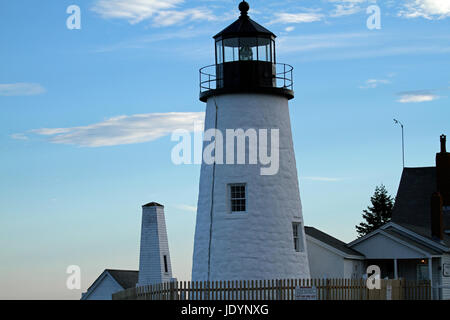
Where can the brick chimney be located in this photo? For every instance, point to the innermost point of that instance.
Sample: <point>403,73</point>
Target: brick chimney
<point>443,172</point>
<point>442,196</point>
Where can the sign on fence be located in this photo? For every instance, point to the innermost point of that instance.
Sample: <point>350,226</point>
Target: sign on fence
<point>388,292</point>
<point>305,293</point>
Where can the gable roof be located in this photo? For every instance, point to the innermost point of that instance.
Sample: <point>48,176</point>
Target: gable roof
<point>405,235</point>
<point>331,241</point>
<point>126,278</point>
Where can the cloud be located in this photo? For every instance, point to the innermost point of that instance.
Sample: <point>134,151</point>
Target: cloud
<point>346,7</point>
<point>363,45</point>
<point>168,18</point>
<point>122,130</point>
<point>303,17</point>
<point>289,29</point>
<point>19,136</point>
<point>428,9</point>
<point>161,12</point>
<point>417,97</point>
<point>374,83</point>
<point>322,179</point>
<point>21,89</point>
<point>186,207</point>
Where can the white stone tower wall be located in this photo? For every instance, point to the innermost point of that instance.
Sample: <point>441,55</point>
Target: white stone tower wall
<point>154,246</point>
<point>259,244</point>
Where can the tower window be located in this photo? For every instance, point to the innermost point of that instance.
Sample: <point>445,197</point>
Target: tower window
<point>238,198</point>
<point>166,266</point>
<point>298,236</point>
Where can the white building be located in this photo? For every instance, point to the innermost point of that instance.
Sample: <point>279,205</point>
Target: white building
<point>330,258</point>
<point>415,245</point>
<point>110,282</point>
<point>154,262</point>
<point>249,221</point>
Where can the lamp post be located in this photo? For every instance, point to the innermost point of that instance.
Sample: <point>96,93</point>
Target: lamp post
<point>403,140</point>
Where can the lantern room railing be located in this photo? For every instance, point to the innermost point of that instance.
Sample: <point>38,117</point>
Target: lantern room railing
<point>283,78</point>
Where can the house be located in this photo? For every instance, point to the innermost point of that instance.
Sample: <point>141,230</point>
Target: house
<point>109,282</point>
<point>415,245</point>
<point>331,258</point>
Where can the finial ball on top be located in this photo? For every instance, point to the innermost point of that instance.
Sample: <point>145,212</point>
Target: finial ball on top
<point>244,7</point>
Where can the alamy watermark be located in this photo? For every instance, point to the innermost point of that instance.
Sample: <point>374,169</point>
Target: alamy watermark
<point>235,151</point>
<point>73,281</point>
<point>73,22</point>
<point>373,277</point>
<point>374,20</point>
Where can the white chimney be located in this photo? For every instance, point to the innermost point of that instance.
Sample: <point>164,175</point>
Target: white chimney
<point>154,262</point>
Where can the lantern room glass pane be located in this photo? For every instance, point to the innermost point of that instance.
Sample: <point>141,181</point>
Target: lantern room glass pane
<point>264,49</point>
<point>274,60</point>
<point>245,49</point>
<point>231,47</point>
<point>248,49</point>
<point>219,52</point>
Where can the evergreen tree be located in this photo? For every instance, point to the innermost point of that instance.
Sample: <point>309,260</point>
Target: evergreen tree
<point>379,213</point>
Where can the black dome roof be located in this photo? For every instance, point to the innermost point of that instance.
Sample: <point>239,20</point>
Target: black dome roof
<point>244,26</point>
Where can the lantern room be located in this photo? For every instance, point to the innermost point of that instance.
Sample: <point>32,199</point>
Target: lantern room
<point>245,62</point>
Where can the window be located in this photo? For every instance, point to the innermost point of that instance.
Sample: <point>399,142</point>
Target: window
<point>298,236</point>
<point>219,52</point>
<point>237,197</point>
<point>231,47</point>
<point>166,267</point>
<point>422,272</point>
<point>264,49</point>
<point>245,49</point>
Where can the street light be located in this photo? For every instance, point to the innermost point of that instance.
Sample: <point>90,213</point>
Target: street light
<point>403,140</point>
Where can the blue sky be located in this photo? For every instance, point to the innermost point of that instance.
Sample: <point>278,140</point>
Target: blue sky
<point>86,117</point>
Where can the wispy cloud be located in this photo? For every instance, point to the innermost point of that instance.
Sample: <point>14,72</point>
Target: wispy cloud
<point>161,12</point>
<point>344,46</point>
<point>417,96</point>
<point>144,41</point>
<point>186,207</point>
<point>123,129</point>
<point>171,17</point>
<point>21,89</point>
<point>322,179</point>
<point>302,17</point>
<point>346,7</point>
<point>19,136</point>
<point>374,83</point>
<point>428,9</point>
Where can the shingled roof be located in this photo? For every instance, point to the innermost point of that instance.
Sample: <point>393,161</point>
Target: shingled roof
<point>412,209</point>
<point>126,278</point>
<point>413,202</point>
<point>331,241</point>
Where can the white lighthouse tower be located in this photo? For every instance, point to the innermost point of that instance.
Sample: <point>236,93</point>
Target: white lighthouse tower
<point>249,221</point>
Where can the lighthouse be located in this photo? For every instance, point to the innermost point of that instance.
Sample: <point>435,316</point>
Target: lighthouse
<point>249,217</point>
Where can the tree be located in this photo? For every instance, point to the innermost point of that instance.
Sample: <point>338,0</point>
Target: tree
<point>379,213</point>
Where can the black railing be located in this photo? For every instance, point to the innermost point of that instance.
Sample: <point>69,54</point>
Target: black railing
<point>283,79</point>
